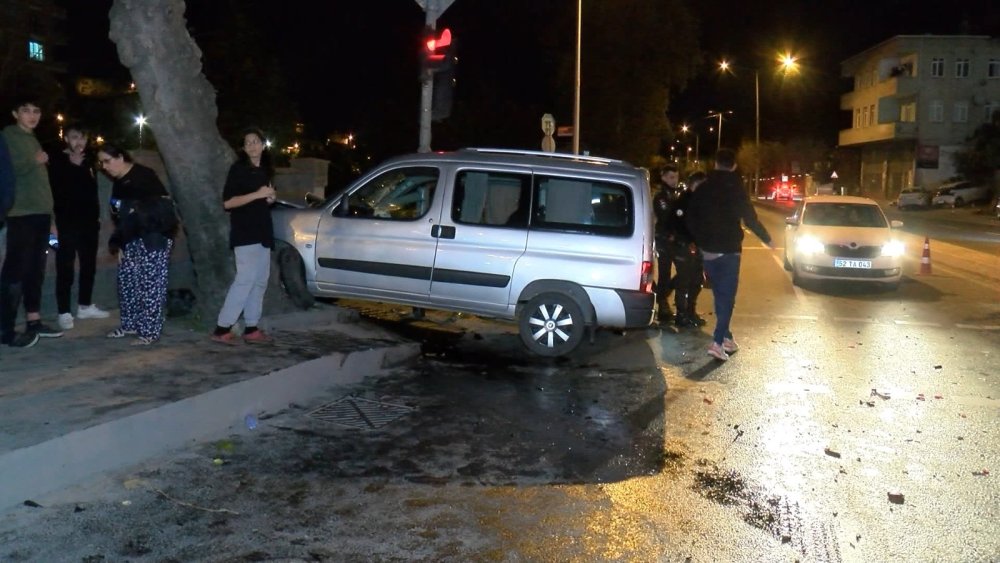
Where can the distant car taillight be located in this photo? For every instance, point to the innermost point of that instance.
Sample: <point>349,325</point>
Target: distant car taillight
<point>646,278</point>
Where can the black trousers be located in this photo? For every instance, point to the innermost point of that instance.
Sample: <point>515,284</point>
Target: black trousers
<point>687,281</point>
<point>76,242</point>
<point>23,269</point>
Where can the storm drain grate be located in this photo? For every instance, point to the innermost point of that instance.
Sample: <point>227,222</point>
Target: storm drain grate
<point>359,413</point>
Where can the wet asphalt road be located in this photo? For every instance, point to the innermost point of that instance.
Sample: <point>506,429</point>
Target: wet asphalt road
<point>854,425</point>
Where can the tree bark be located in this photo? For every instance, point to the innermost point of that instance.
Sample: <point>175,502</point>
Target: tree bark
<point>165,62</point>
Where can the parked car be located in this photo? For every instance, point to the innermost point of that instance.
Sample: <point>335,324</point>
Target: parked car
<point>957,194</point>
<point>843,238</point>
<point>914,197</point>
<point>557,242</point>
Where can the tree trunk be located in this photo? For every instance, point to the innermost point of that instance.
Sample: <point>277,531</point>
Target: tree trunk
<point>165,62</point>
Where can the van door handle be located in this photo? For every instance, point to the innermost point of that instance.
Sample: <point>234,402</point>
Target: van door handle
<point>443,231</point>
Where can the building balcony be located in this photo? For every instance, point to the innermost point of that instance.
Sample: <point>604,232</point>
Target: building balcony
<point>898,131</point>
<point>895,87</point>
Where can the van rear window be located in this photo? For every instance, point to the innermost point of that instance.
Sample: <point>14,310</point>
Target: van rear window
<point>589,206</point>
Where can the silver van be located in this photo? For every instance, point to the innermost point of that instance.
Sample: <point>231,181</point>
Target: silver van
<point>559,243</point>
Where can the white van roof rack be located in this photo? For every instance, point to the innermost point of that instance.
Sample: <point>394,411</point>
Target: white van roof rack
<point>563,155</point>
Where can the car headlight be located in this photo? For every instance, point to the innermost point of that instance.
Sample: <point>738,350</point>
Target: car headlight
<point>893,248</point>
<point>808,245</point>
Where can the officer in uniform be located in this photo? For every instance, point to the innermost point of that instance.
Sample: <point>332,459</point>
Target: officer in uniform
<point>687,260</point>
<point>666,220</point>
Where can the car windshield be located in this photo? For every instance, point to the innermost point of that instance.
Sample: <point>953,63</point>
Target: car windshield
<point>843,215</point>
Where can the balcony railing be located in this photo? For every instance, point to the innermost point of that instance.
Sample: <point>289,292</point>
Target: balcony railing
<point>899,131</point>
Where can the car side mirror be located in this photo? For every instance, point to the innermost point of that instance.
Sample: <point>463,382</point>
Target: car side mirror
<point>895,224</point>
<point>313,200</point>
<point>342,209</point>
<point>792,220</point>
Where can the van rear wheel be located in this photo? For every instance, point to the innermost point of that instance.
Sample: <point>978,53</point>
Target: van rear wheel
<point>551,324</point>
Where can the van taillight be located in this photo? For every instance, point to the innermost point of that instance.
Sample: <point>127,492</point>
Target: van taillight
<point>646,278</point>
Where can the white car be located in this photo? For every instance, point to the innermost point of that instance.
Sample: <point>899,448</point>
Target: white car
<point>914,197</point>
<point>843,238</point>
<point>957,194</point>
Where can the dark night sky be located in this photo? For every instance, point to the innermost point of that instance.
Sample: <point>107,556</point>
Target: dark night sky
<point>346,61</point>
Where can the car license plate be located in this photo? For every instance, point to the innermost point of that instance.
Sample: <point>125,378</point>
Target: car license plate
<point>845,263</point>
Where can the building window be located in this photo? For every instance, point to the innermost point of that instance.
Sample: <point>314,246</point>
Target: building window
<point>993,70</point>
<point>864,116</point>
<point>961,68</point>
<point>937,111</point>
<point>36,51</point>
<point>857,118</point>
<point>908,112</point>
<point>872,120</point>
<point>937,67</point>
<point>961,112</point>
<point>988,111</point>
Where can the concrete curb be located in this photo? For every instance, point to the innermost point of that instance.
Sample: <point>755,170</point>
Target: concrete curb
<point>46,467</point>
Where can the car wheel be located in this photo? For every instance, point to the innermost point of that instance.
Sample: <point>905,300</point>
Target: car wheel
<point>293,277</point>
<point>959,202</point>
<point>551,324</point>
<point>788,265</point>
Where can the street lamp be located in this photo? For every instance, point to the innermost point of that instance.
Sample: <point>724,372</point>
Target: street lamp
<point>140,121</point>
<point>788,63</point>
<point>712,114</point>
<point>697,142</point>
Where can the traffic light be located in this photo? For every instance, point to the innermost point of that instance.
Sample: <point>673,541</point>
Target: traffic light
<point>437,52</point>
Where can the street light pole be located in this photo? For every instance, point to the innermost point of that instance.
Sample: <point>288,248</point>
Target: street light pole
<point>576,93</point>
<point>756,151</point>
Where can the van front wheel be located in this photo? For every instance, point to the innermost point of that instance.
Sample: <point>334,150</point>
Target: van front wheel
<point>293,277</point>
<point>551,324</point>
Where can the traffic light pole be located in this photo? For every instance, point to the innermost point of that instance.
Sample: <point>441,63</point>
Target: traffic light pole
<point>432,10</point>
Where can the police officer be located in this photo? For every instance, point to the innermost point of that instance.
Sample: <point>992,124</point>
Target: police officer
<point>666,225</point>
<point>687,259</point>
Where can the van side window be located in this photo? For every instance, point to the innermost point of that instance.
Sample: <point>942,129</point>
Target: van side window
<point>491,198</point>
<point>401,194</point>
<point>602,208</point>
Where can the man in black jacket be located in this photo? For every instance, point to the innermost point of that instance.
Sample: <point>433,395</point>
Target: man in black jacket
<point>663,203</point>
<point>715,217</point>
<point>78,219</point>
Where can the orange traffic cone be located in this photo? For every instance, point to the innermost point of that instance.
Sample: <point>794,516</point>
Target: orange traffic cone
<point>925,259</point>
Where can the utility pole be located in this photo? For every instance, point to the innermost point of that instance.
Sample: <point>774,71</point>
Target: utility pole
<point>432,10</point>
<point>576,92</point>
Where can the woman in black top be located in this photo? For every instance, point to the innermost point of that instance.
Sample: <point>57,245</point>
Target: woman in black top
<point>247,196</point>
<point>145,226</point>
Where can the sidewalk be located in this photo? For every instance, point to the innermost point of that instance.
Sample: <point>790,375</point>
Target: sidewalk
<point>83,404</point>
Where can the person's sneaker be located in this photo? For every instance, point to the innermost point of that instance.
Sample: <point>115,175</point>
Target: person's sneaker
<point>91,312</point>
<point>45,331</point>
<point>697,320</point>
<point>226,338</point>
<point>681,321</point>
<point>66,321</point>
<point>730,345</point>
<point>25,339</point>
<point>717,352</point>
<point>257,337</point>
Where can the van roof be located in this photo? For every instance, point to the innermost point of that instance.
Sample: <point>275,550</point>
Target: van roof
<point>554,161</point>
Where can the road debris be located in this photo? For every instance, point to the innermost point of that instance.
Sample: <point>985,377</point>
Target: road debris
<point>32,504</point>
<point>896,497</point>
<point>884,396</point>
<point>831,452</point>
<point>983,473</point>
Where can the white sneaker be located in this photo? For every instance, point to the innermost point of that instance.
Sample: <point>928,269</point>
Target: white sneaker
<point>66,321</point>
<point>91,312</point>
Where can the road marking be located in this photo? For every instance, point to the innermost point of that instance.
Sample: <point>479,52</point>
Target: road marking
<point>856,320</point>
<point>798,317</point>
<point>916,323</point>
<point>978,327</point>
<point>800,295</point>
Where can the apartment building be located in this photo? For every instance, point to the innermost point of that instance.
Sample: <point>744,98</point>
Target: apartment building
<point>916,100</point>
<point>32,36</point>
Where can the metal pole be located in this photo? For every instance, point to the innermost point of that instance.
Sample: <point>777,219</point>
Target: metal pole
<point>576,95</point>
<point>718,143</point>
<point>756,95</point>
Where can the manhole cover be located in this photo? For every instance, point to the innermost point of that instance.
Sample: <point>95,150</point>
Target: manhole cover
<point>359,413</point>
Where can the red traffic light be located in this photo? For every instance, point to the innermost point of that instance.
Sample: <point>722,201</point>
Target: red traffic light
<point>437,46</point>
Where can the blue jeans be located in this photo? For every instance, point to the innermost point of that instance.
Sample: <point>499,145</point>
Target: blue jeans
<point>724,274</point>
